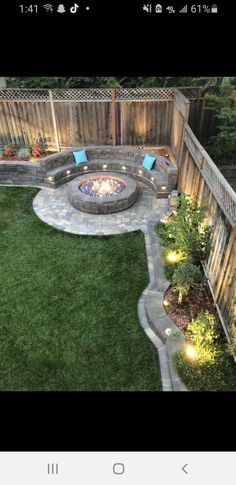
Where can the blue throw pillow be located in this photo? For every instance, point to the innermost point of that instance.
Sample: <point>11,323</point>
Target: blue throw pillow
<point>148,162</point>
<point>80,157</point>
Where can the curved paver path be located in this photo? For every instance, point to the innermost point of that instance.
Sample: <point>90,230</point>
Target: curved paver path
<point>52,207</point>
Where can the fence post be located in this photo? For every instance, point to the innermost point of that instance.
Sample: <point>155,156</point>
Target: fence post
<point>54,121</point>
<point>113,116</point>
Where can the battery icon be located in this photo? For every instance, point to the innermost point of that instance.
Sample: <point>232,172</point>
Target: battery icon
<point>214,9</point>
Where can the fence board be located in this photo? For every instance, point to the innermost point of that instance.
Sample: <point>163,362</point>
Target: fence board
<point>204,183</point>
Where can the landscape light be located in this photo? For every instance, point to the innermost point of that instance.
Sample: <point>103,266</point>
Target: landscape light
<point>140,172</point>
<point>172,257</point>
<point>191,352</point>
<point>165,302</point>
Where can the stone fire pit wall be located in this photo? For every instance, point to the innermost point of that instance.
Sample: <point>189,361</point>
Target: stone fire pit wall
<point>104,205</point>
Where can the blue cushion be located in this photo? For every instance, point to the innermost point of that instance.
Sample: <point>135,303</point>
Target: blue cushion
<point>80,157</point>
<point>148,161</point>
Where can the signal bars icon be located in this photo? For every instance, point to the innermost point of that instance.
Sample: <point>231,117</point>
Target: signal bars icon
<point>184,9</point>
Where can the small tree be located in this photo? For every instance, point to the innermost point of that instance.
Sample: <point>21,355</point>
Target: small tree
<point>186,276</point>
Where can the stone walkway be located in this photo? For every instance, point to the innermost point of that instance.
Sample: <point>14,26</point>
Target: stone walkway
<point>52,207</point>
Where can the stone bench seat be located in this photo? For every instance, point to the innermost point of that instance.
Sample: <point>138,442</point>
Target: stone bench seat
<point>156,180</point>
<point>59,168</point>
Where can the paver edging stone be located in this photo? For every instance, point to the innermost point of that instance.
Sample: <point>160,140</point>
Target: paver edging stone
<point>166,337</point>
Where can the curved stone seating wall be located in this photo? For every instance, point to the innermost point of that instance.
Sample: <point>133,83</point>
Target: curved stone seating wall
<point>59,168</point>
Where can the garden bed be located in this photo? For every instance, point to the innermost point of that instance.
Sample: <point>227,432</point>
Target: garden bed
<point>198,298</point>
<point>205,362</point>
<point>25,159</point>
<point>219,375</point>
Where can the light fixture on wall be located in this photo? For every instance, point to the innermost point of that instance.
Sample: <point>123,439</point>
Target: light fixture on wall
<point>68,172</point>
<point>123,167</point>
<point>85,167</point>
<point>140,172</point>
<point>50,179</point>
<point>163,187</point>
<point>104,166</point>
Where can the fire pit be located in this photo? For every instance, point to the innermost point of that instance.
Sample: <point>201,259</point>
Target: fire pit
<point>101,193</point>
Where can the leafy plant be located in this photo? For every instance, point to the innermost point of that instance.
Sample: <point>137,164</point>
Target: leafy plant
<point>203,333</point>
<point>42,142</point>
<point>187,232</point>
<point>36,150</point>
<point>186,276</point>
<point>9,151</point>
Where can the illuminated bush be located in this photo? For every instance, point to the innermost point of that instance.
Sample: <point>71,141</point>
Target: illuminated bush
<point>187,231</point>
<point>186,276</point>
<point>202,333</point>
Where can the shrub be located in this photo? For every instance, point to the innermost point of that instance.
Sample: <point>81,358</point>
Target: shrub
<point>203,334</point>
<point>187,231</point>
<point>42,142</point>
<point>36,151</point>
<point>186,276</point>
<point>9,151</point>
<point>212,369</point>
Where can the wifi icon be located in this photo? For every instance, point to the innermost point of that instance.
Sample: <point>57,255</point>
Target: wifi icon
<point>48,7</point>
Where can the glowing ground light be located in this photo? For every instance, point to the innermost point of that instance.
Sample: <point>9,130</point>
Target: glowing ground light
<point>172,257</point>
<point>190,352</point>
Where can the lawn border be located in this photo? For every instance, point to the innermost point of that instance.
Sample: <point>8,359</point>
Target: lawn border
<point>152,315</point>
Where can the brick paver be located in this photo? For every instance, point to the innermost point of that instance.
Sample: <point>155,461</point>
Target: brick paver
<point>52,206</point>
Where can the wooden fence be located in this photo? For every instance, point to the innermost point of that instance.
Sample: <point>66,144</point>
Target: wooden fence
<point>201,179</point>
<point>77,117</point>
<point>201,119</point>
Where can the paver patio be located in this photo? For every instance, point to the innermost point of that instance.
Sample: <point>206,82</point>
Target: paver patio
<point>52,207</point>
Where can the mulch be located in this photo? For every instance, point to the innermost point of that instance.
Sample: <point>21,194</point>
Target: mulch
<point>198,300</point>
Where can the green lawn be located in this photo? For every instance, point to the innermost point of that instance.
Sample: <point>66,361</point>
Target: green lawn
<point>68,312</point>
